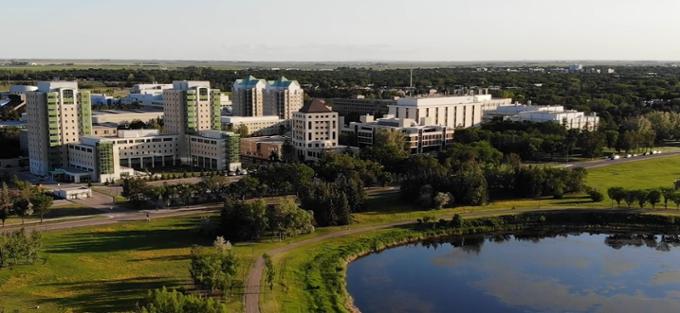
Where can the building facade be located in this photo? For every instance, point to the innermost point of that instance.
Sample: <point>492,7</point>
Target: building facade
<point>215,150</point>
<point>315,130</point>
<point>265,148</point>
<point>248,96</point>
<point>57,114</point>
<point>255,125</point>
<point>452,112</point>
<point>417,138</point>
<point>353,109</point>
<point>570,119</point>
<point>282,98</point>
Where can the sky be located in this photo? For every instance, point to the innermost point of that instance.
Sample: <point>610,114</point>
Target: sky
<point>343,30</point>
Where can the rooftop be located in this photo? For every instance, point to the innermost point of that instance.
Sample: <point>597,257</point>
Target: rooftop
<point>316,106</point>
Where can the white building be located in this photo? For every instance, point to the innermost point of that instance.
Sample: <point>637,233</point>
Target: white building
<point>150,95</point>
<point>570,119</point>
<point>419,138</point>
<point>315,130</point>
<point>452,112</point>
<point>123,117</point>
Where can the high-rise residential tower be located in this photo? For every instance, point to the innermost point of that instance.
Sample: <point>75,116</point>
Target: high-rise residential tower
<point>282,98</point>
<point>190,107</point>
<point>57,113</point>
<point>315,130</point>
<point>248,97</point>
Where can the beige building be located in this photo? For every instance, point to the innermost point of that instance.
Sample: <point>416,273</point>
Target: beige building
<point>191,107</point>
<point>452,112</point>
<point>107,159</point>
<point>419,138</point>
<point>256,125</point>
<point>248,96</point>
<point>57,114</point>
<point>215,150</point>
<point>282,98</point>
<point>105,130</point>
<point>315,130</point>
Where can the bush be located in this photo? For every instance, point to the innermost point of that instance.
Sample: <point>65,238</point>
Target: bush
<point>595,195</point>
<point>164,301</point>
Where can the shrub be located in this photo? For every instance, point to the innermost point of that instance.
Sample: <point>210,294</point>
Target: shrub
<point>595,195</point>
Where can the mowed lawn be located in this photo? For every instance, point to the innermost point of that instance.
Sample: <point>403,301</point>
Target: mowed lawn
<point>107,269</point>
<point>653,173</point>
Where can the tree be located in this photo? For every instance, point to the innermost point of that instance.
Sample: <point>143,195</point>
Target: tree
<point>41,204</point>
<point>442,199</point>
<point>642,197</point>
<point>243,220</point>
<point>269,270</point>
<point>653,196</point>
<point>164,301</point>
<point>23,208</point>
<point>616,194</point>
<point>242,130</point>
<point>595,195</point>
<point>5,203</point>
<point>214,270</point>
<point>388,149</point>
<point>667,194</point>
<point>676,199</point>
<point>457,221</point>
<point>287,219</point>
<point>630,197</point>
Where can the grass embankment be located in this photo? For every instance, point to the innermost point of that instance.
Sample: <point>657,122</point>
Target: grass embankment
<point>313,279</point>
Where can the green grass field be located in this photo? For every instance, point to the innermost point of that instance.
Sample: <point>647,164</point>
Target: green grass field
<point>636,175</point>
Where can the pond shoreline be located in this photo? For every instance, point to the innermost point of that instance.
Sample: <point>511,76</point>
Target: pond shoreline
<point>556,221</point>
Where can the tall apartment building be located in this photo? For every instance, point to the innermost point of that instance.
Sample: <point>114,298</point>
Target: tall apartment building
<point>57,114</point>
<point>315,130</point>
<point>248,96</point>
<point>190,107</point>
<point>452,112</point>
<point>282,98</point>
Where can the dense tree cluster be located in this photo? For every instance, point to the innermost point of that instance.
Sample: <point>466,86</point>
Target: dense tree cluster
<point>470,174</point>
<point>25,201</point>
<point>19,247</point>
<point>247,220</point>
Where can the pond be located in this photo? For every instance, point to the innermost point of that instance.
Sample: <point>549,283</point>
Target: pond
<point>576,272</point>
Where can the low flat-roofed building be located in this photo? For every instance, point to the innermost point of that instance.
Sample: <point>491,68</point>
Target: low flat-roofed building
<point>73,193</point>
<point>268,148</point>
<point>122,117</point>
<point>257,125</point>
<point>570,119</point>
<point>419,138</point>
<point>105,130</point>
<point>352,109</point>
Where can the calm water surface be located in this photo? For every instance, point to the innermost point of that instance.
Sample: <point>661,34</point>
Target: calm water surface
<point>564,273</point>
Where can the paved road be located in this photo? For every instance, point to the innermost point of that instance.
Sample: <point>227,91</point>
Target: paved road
<point>606,162</point>
<point>112,218</point>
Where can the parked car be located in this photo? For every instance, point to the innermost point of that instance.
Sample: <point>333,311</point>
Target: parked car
<point>615,157</point>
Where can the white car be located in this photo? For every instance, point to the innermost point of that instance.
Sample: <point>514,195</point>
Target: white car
<point>615,157</point>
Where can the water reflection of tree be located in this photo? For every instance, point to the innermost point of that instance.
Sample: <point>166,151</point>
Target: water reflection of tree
<point>660,243</point>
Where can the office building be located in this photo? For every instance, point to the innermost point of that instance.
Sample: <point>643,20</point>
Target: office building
<point>255,125</point>
<point>418,138</point>
<point>148,95</point>
<point>57,114</point>
<point>282,98</point>
<point>248,96</point>
<point>215,150</point>
<point>352,109</point>
<point>570,119</point>
<point>452,112</point>
<point>315,130</point>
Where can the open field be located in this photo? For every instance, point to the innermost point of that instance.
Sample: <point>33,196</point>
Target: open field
<point>653,173</point>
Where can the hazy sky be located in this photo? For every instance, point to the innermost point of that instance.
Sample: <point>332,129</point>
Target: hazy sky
<point>342,30</point>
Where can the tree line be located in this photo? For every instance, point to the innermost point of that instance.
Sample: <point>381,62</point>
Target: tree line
<point>642,197</point>
<point>27,200</point>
